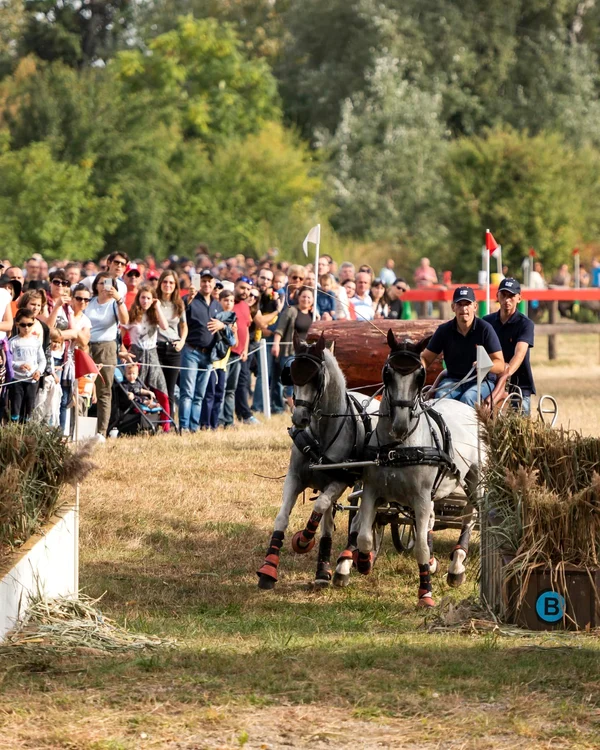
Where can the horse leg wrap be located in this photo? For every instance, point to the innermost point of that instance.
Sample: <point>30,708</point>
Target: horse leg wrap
<point>323,562</point>
<point>345,555</point>
<point>271,562</point>
<point>303,541</point>
<point>364,562</point>
<point>457,547</point>
<point>424,581</point>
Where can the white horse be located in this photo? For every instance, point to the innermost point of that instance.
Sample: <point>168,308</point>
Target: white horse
<point>417,464</point>
<point>330,427</point>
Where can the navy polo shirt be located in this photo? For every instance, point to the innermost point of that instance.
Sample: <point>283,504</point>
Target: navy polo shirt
<point>517,328</point>
<point>198,313</point>
<point>460,351</point>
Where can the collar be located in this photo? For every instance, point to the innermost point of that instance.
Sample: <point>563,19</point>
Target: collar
<point>513,318</point>
<point>471,329</point>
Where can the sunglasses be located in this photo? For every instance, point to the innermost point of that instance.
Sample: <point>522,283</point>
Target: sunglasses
<point>25,325</point>
<point>401,288</point>
<point>297,277</point>
<point>82,299</point>
<point>119,262</point>
<point>58,282</point>
<point>256,296</point>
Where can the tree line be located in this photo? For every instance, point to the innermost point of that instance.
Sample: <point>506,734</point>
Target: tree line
<point>414,123</point>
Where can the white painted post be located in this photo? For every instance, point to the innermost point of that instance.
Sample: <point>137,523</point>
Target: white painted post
<point>266,386</point>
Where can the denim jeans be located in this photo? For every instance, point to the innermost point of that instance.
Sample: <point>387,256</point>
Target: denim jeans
<point>193,378</point>
<point>242,392</point>
<point>467,392</point>
<point>233,375</point>
<point>213,398</point>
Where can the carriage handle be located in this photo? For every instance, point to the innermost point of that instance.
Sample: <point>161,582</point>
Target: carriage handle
<point>543,410</point>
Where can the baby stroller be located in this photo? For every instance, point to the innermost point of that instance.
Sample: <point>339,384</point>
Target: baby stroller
<point>131,417</point>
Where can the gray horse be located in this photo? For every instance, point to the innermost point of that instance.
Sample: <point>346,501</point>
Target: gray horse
<point>330,427</point>
<point>417,464</point>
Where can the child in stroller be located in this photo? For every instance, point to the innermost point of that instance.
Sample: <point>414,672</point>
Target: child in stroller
<point>136,391</point>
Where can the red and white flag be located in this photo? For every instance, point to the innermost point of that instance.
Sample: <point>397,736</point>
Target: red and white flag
<point>84,364</point>
<point>492,246</point>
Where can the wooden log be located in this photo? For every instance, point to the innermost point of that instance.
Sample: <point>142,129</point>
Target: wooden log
<point>361,349</point>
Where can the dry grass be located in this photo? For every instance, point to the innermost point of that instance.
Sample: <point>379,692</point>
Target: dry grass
<point>173,529</point>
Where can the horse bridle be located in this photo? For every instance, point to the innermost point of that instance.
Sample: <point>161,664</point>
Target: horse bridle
<point>404,362</point>
<point>316,370</point>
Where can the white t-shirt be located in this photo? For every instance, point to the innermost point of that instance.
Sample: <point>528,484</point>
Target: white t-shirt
<point>144,335</point>
<point>5,300</point>
<point>121,285</point>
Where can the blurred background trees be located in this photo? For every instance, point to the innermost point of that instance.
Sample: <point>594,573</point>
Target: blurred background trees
<point>413,124</point>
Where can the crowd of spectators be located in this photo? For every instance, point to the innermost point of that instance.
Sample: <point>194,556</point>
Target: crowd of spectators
<point>184,332</point>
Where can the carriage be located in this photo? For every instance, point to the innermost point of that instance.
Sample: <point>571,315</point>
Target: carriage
<point>417,468</point>
<point>362,369</point>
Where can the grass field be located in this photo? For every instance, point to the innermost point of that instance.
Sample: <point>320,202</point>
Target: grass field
<point>173,528</point>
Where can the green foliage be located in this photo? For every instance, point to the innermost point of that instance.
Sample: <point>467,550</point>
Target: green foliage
<point>201,67</point>
<point>126,140</point>
<point>254,193</point>
<point>527,190</point>
<point>386,158</point>
<point>75,33</point>
<point>50,207</point>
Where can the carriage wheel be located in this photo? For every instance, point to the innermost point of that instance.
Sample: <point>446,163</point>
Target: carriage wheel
<point>403,536</point>
<point>378,534</point>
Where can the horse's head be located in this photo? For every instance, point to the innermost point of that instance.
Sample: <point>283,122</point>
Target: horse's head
<point>307,373</point>
<point>403,378</point>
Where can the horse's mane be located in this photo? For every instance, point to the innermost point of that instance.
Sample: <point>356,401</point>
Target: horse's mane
<point>337,380</point>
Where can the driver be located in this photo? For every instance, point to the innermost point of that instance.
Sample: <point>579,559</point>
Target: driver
<point>515,332</point>
<point>457,341</point>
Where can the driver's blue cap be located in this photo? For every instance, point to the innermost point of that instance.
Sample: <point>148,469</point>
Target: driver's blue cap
<point>509,285</point>
<point>463,293</point>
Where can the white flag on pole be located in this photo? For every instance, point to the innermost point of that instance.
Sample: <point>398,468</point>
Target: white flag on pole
<point>313,236</point>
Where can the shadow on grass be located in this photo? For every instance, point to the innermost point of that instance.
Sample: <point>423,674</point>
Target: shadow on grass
<point>205,579</point>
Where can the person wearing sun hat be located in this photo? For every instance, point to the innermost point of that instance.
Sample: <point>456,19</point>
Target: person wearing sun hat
<point>516,334</point>
<point>457,340</point>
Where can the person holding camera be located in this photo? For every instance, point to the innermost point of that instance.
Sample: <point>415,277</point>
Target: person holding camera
<point>106,312</point>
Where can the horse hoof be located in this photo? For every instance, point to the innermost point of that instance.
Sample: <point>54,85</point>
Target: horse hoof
<point>341,581</point>
<point>322,583</point>
<point>299,547</point>
<point>266,583</point>
<point>365,566</point>
<point>455,579</point>
<point>433,566</point>
<point>426,601</point>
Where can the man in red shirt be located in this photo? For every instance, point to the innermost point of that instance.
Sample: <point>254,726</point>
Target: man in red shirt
<point>133,280</point>
<point>239,353</point>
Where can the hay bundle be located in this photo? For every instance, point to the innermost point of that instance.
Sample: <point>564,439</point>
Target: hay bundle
<point>35,463</point>
<point>543,491</point>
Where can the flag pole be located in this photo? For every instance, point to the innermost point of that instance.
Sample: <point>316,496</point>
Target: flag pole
<point>487,278</point>
<point>318,244</point>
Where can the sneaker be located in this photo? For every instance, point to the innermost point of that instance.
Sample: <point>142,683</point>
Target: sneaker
<point>251,420</point>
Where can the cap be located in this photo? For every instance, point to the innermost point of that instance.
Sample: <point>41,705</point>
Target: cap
<point>133,269</point>
<point>206,272</point>
<point>14,283</point>
<point>509,285</point>
<point>228,285</point>
<point>151,275</point>
<point>246,280</point>
<point>463,293</point>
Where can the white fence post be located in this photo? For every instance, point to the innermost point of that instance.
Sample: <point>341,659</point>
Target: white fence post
<point>264,371</point>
